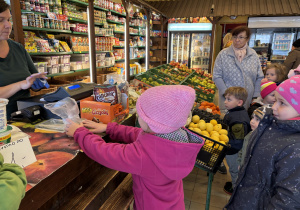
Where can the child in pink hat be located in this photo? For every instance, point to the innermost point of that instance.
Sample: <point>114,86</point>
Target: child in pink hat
<point>271,166</point>
<point>158,155</point>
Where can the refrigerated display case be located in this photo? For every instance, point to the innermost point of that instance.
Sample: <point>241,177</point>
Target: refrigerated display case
<point>200,50</point>
<point>189,43</point>
<point>281,45</point>
<point>272,37</point>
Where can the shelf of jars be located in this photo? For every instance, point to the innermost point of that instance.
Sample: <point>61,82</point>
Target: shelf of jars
<point>46,29</point>
<point>115,22</point>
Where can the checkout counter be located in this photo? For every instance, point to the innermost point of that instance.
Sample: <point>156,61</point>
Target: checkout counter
<point>77,182</point>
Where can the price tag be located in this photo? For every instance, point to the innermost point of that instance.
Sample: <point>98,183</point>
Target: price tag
<point>19,152</point>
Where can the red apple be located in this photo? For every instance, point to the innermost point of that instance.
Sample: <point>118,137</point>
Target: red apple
<point>46,164</point>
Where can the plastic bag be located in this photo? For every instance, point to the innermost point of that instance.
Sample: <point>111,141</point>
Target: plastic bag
<point>65,108</point>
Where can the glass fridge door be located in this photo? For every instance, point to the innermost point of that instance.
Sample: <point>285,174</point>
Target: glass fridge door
<point>180,43</point>
<point>281,46</point>
<point>200,50</point>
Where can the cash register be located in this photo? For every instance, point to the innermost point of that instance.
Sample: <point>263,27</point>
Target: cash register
<point>77,91</point>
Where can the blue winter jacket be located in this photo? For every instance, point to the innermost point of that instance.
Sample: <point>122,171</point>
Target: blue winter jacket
<point>228,72</point>
<point>270,176</point>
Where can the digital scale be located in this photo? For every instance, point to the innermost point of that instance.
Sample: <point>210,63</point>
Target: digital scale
<point>76,90</point>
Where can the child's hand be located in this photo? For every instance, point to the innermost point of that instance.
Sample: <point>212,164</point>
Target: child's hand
<point>95,127</point>
<point>71,127</point>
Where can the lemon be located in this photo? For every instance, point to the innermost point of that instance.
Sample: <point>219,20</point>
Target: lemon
<point>218,146</point>
<point>202,125</point>
<point>214,122</point>
<point>201,121</point>
<point>214,133</point>
<point>223,142</point>
<point>197,130</point>
<point>209,127</point>
<point>210,144</point>
<point>214,137</point>
<point>217,127</point>
<point>195,119</point>
<point>223,131</point>
<point>205,133</point>
<point>191,128</point>
<point>224,138</point>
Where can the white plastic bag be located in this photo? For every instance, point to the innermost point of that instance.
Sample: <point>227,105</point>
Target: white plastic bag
<point>65,108</point>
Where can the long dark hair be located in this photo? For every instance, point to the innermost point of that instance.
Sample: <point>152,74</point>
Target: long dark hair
<point>3,6</point>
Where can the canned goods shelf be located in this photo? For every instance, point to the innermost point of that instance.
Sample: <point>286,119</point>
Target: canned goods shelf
<point>117,13</point>
<point>120,60</point>
<point>38,13</point>
<point>50,53</point>
<point>47,29</point>
<point>111,21</point>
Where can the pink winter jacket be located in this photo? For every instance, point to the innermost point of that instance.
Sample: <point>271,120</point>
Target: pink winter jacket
<point>157,165</point>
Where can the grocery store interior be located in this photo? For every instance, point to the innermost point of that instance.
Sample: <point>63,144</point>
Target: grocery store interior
<point>103,55</point>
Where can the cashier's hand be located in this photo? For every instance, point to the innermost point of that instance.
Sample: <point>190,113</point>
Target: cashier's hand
<point>25,84</point>
<point>71,127</point>
<point>94,127</point>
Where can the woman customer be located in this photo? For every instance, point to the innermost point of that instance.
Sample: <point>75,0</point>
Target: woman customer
<point>238,65</point>
<point>17,71</point>
<point>293,59</point>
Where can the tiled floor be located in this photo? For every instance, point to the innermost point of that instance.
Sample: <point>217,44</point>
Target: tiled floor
<point>195,187</point>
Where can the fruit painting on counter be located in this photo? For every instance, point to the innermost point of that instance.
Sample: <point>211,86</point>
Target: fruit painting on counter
<point>52,151</point>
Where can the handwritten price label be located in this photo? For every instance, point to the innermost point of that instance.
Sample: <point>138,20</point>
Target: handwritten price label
<point>19,152</point>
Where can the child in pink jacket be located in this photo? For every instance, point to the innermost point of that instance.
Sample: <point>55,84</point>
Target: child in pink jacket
<point>158,155</point>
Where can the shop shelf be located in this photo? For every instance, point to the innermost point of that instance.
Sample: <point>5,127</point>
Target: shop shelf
<point>156,22</point>
<point>59,74</point>
<point>103,35</point>
<point>79,3</point>
<point>119,46</point>
<point>103,51</point>
<point>39,13</point>
<point>104,67</point>
<point>119,32</point>
<point>46,29</point>
<point>50,53</point>
<point>117,13</point>
<point>77,20</point>
<point>100,8</point>
<point>141,46</point>
<point>81,33</point>
<point>80,70</point>
<point>142,35</point>
<point>98,24</point>
<point>134,34</point>
<point>111,21</point>
<point>81,52</point>
<point>136,26</point>
<point>120,60</point>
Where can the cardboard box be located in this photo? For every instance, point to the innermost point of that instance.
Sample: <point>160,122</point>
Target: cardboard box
<point>104,112</point>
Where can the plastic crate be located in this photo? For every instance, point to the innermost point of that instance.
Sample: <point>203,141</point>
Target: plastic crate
<point>210,157</point>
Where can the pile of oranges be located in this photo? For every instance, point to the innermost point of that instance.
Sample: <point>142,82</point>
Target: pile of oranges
<point>207,105</point>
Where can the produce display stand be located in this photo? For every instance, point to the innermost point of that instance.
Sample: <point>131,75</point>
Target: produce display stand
<point>77,182</point>
<point>159,76</point>
<point>209,158</point>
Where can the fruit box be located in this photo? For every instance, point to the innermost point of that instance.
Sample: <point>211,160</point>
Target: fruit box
<point>104,112</point>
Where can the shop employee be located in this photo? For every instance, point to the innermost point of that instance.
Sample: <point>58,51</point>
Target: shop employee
<point>17,71</point>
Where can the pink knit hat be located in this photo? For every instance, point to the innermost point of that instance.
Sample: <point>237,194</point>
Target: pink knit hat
<point>290,91</point>
<point>266,88</point>
<point>166,108</point>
